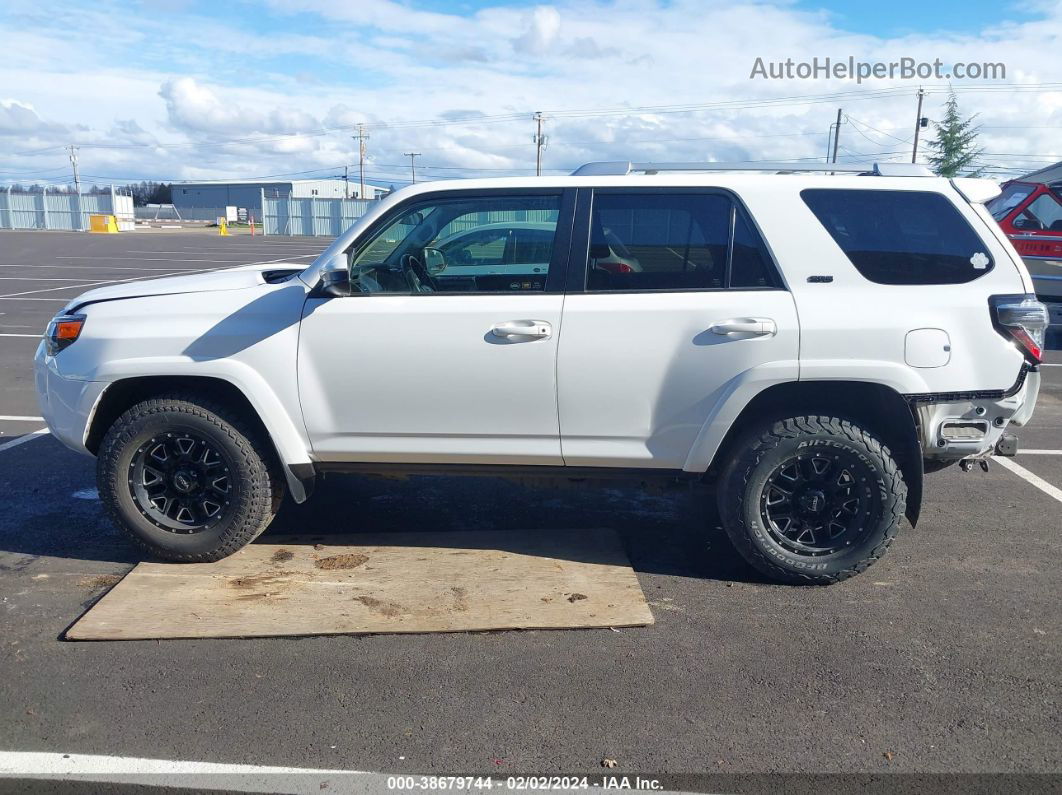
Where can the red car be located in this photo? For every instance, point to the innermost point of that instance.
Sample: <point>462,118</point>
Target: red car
<point>1030,212</point>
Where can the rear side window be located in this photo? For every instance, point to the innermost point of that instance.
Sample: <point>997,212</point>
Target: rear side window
<point>679,241</point>
<point>901,237</point>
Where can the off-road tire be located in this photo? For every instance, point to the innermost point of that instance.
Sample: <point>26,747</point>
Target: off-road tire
<point>257,483</point>
<point>762,450</point>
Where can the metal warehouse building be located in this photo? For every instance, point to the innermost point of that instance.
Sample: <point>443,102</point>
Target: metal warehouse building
<point>239,193</point>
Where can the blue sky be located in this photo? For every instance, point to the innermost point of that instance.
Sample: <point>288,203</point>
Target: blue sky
<point>192,89</point>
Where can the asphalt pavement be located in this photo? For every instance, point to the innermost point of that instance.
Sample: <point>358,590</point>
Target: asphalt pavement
<point>945,657</point>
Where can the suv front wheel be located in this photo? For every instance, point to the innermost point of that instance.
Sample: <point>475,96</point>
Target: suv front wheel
<point>811,500</point>
<point>187,480</point>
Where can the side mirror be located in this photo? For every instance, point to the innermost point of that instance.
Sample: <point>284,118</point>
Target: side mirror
<point>335,276</point>
<point>434,261</point>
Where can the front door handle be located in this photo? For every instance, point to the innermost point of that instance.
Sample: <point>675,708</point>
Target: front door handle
<point>755,326</point>
<point>536,329</point>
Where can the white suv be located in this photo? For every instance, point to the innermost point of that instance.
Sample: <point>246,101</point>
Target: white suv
<point>807,344</point>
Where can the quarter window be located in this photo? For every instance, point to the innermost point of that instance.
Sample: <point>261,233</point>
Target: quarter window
<point>901,237</point>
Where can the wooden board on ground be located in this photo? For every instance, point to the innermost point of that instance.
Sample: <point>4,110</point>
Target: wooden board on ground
<point>393,582</point>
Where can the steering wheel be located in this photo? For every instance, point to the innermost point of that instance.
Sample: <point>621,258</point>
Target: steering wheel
<point>420,281</point>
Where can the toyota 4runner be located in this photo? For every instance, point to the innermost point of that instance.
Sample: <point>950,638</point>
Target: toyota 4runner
<point>808,344</point>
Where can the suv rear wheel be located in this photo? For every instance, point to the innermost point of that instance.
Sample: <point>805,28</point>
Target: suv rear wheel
<point>186,479</point>
<point>811,500</point>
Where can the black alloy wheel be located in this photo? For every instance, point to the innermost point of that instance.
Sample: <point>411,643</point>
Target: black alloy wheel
<point>181,482</point>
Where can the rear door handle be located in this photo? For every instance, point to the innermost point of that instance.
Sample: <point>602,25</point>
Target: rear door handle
<point>756,326</point>
<point>536,329</point>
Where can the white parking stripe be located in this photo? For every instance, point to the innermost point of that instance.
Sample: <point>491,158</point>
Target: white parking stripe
<point>23,439</point>
<point>37,279</point>
<point>60,300</point>
<point>38,336</point>
<point>199,776</point>
<point>157,259</point>
<point>131,279</point>
<point>66,267</point>
<point>1040,452</point>
<point>14,418</point>
<point>1029,477</point>
<point>106,281</point>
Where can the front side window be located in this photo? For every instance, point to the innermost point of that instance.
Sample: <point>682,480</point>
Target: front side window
<point>1044,214</point>
<point>901,237</point>
<point>497,244</point>
<point>673,241</point>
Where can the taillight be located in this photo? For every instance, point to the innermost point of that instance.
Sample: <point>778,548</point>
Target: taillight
<point>62,332</point>
<point>1023,320</point>
<point>613,267</point>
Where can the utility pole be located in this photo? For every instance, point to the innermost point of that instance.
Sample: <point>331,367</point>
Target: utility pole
<point>918,125</point>
<point>346,184</point>
<point>361,138</point>
<point>412,168</point>
<point>540,143</point>
<point>77,184</point>
<point>837,135</point>
<point>73,162</point>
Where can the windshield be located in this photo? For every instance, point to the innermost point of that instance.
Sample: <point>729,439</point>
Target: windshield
<point>1011,197</point>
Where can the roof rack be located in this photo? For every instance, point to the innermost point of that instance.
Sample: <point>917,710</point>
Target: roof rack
<point>620,168</point>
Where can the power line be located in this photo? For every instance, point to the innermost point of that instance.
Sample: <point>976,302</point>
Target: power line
<point>850,96</point>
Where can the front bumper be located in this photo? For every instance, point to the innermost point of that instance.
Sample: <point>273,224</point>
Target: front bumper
<point>67,404</point>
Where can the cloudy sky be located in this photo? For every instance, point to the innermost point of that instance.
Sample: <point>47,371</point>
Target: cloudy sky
<point>184,89</point>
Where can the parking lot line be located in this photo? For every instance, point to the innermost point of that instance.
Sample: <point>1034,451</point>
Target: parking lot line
<point>66,267</point>
<point>13,418</point>
<point>19,335</point>
<point>1040,452</point>
<point>22,439</point>
<point>108,281</point>
<point>37,279</point>
<point>1026,475</point>
<point>157,259</point>
<point>100,768</point>
<point>60,300</point>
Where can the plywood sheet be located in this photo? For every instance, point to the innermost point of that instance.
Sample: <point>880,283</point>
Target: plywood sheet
<point>394,582</point>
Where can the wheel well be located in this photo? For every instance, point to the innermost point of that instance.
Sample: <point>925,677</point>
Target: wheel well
<point>875,407</point>
<point>124,394</point>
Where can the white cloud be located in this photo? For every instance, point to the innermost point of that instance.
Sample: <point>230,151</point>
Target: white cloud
<point>204,83</point>
<point>541,30</point>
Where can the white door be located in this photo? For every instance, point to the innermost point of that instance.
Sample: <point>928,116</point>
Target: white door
<point>419,365</point>
<point>680,304</point>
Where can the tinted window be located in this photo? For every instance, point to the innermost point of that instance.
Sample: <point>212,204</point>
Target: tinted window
<point>750,266</point>
<point>658,242</point>
<point>492,244</point>
<point>901,237</point>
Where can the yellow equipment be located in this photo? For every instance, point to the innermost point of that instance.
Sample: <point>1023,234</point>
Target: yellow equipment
<point>103,224</point>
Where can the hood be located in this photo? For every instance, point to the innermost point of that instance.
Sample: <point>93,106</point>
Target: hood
<point>229,279</point>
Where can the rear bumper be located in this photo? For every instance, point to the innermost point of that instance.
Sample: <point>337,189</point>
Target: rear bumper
<point>974,427</point>
<point>67,404</point>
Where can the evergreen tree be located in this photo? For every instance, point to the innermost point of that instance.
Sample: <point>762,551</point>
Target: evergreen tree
<point>954,149</point>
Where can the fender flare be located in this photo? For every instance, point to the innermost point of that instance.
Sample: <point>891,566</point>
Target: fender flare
<point>288,439</point>
<point>744,387</point>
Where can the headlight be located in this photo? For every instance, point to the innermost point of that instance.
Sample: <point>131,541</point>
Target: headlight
<point>62,332</point>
